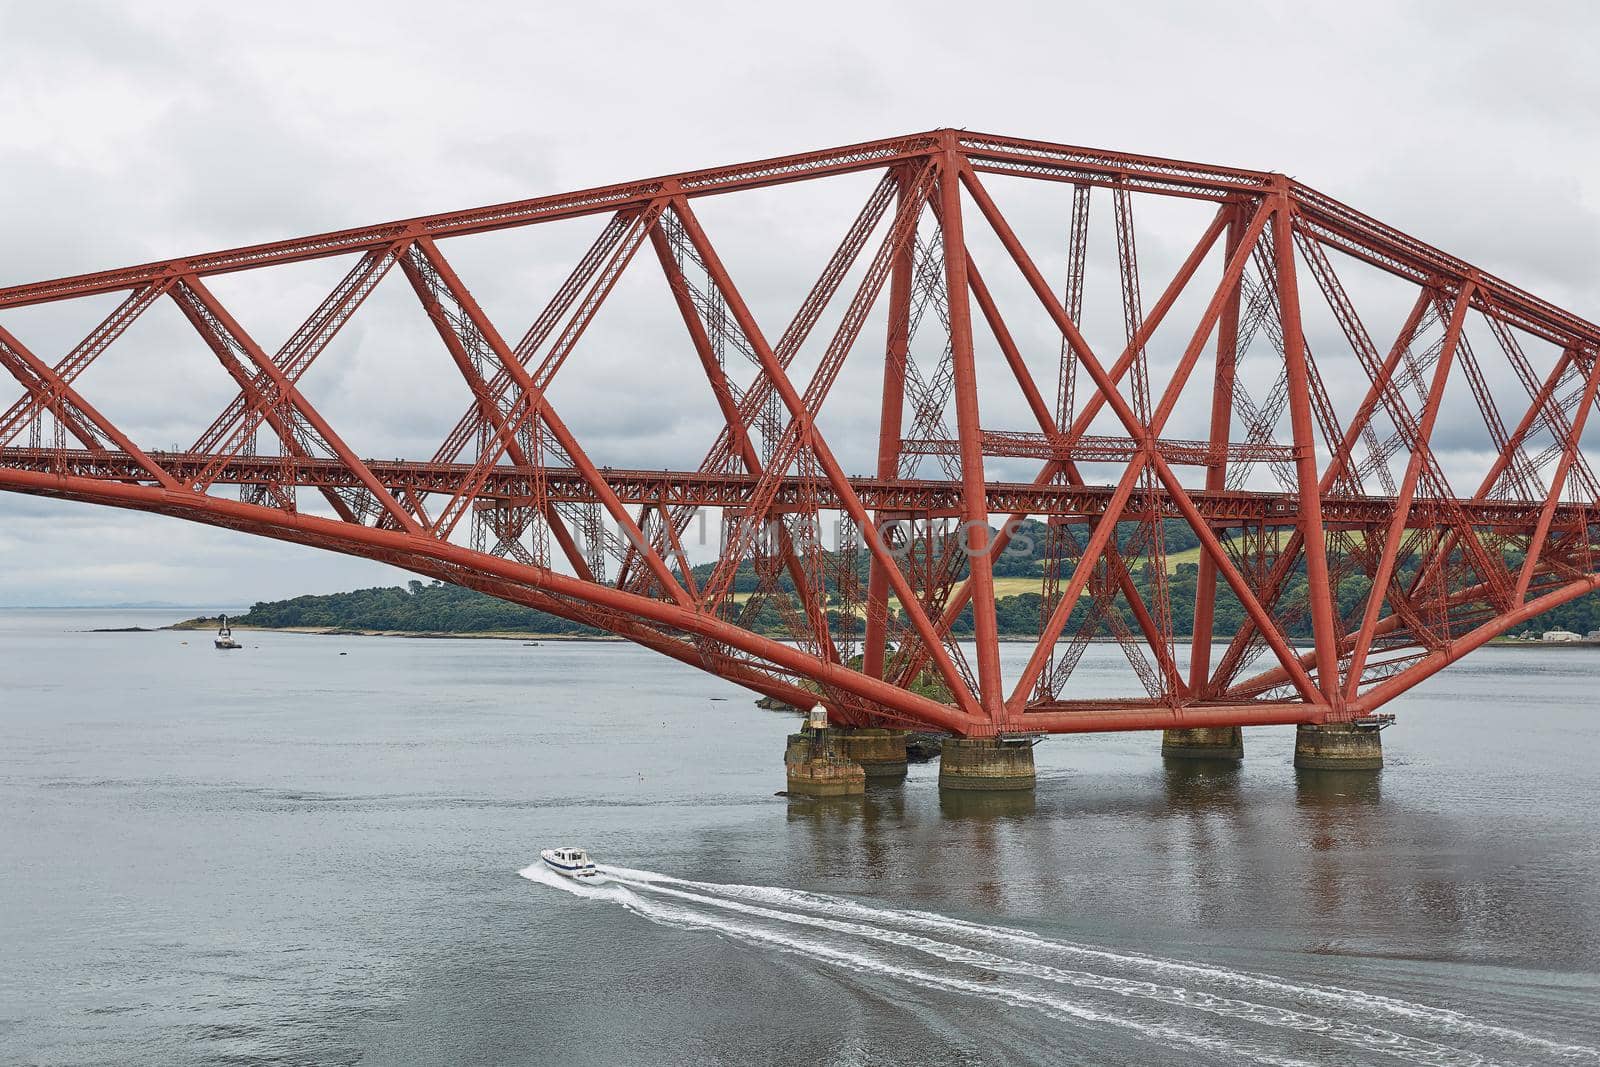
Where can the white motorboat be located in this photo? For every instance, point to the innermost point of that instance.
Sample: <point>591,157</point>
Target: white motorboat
<point>572,862</point>
<point>224,639</point>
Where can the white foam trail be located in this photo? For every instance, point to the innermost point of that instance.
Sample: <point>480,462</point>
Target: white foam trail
<point>1370,1038</point>
<point>1333,997</point>
<point>642,892</point>
<point>1053,1005</point>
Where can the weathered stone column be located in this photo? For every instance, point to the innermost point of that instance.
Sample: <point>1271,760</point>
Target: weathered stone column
<point>881,753</point>
<point>1203,742</point>
<point>1338,746</point>
<point>986,763</point>
<point>816,766</point>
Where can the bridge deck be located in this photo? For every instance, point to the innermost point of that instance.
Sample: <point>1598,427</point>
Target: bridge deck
<point>921,498</point>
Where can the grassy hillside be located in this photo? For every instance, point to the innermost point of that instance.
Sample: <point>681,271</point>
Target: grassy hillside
<point>437,608</point>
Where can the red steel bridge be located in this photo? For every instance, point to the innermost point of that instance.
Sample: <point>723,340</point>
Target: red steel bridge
<point>1365,515</point>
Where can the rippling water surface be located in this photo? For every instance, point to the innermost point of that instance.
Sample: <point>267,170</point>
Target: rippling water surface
<point>288,855</point>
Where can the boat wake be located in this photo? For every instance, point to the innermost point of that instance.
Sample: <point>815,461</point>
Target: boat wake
<point>1207,1010</point>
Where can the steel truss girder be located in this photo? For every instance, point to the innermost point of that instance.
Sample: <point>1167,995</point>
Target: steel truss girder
<point>907,497</point>
<point>1448,572</point>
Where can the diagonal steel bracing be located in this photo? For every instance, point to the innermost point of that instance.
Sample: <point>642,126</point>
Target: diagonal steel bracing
<point>1298,491</point>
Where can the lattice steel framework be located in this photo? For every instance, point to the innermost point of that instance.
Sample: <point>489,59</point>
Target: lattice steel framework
<point>1341,528</point>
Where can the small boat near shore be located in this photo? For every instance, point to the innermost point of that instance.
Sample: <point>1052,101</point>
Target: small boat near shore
<point>224,639</point>
<point>572,862</point>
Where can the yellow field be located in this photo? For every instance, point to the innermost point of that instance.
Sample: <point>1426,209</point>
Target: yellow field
<point>1014,586</point>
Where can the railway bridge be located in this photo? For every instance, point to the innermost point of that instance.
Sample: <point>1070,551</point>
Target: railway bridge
<point>1290,459</point>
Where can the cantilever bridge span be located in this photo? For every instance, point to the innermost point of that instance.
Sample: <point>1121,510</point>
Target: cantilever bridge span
<point>1322,463</point>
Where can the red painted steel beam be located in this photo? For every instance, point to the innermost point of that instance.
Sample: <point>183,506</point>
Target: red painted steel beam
<point>291,398</point>
<point>1125,415</point>
<point>1569,450</point>
<point>1435,662</point>
<point>1380,391</point>
<point>1296,362</point>
<point>1226,367</point>
<point>1408,487</point>
<point>868,155</point>
<point>82,355</point>
<point>634,487</point>
<point>891,417</point>
<point>974,501</point>
<point>1092,407</point>
<point>739,435</point>
<point>1046,420</point>
<point>1341,226</point>
<point>802,417</point>
<point>1099,448</point>
<point>453,563</point>
<point>365,540</point>
<point>1450,614</point>
<point>53,392</point>
<point>1109,717</point>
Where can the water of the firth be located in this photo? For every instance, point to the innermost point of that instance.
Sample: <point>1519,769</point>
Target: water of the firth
<point>286,855</point>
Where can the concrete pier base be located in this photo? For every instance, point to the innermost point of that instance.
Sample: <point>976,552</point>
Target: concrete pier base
<point>1203,742</point>
<point>1338,746</point>
<point>986,763</point>
<point>815,766</point>
<point>881,753</point>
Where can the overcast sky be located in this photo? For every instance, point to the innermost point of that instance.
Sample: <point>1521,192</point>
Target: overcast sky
<point>139,132</point>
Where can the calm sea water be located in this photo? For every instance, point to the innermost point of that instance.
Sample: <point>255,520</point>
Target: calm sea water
<point>289,855</point>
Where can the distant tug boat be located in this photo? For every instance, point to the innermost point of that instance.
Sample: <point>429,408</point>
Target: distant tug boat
<point>225,636</point>
<point>572,862</point>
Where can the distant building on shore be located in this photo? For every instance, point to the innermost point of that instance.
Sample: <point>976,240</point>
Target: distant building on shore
<point>1561,636</point>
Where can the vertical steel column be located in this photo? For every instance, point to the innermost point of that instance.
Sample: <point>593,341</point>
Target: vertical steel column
<point>974,495</point>
<point>1205,596</point>
<point>1140,432</point>
<point>1323,623</point>
<point>896,352</point>
<point>1095,401</point>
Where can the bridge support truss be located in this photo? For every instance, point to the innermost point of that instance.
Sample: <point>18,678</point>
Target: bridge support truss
<point>1267,502</point>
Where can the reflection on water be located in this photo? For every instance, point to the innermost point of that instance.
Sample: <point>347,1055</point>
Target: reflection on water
<point>288,855</point>
<point>985,807</point>
<point>1337,789</point>
<point>1201,785</point>
<point>1321,861</point>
